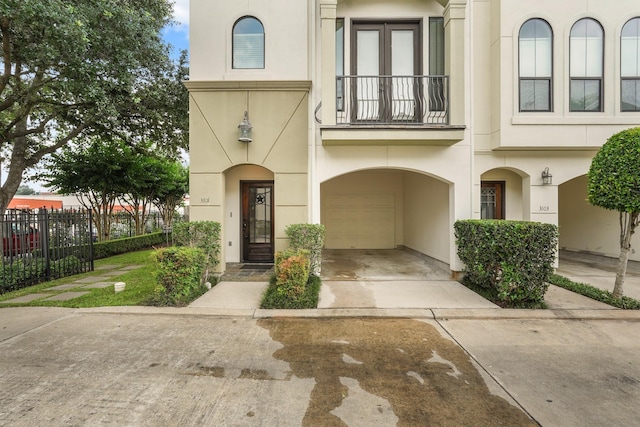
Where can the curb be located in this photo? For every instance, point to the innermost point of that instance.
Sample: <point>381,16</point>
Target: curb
<point>416,313</point>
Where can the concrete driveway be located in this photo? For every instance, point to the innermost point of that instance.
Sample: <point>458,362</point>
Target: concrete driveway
<point>150,367</point>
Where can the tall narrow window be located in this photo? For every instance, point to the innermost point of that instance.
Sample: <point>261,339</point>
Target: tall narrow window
<point>630,65</point>
<point>536,65</point>
<point>437,85</point>
<point>340,64</point>
<point>586,65</point>
<point>248,43</point>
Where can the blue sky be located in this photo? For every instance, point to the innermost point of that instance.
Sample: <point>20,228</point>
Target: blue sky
<point>178,35</point>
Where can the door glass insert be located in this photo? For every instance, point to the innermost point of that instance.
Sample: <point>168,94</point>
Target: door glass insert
<point>257,221</point>
<point>260,215</point>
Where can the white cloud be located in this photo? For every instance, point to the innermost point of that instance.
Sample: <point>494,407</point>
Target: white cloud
<point>181,13</point>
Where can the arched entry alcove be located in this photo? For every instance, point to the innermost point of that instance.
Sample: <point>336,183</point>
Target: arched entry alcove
<point>249,214</point>
<point>503,194</point>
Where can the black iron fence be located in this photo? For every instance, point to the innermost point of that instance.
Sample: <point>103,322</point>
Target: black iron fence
<point>43,245</point>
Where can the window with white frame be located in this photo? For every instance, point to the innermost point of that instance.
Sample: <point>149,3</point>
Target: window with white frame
<point>586,44</point>
<point>630,66</point>
<point>248,43</point>
<point>535,65</point>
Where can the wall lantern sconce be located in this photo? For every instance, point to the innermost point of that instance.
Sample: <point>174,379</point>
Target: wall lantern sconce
<point>546,177</point>
<point>244,129</point>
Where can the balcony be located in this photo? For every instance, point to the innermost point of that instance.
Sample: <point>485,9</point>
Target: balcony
<point>392,110</point>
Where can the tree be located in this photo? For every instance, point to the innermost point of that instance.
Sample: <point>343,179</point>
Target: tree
<point>76,68</point>
<point>173,187</point>
<point>97,173</point>
<point>25,190</point>
<point>614,184</point>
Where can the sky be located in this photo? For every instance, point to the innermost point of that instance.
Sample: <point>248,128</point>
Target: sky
<point>178,35</point>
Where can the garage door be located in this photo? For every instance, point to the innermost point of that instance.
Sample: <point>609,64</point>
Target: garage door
<point>360,221</point>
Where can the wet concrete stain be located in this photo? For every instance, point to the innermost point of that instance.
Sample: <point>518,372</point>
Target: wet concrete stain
<point>418,377</point>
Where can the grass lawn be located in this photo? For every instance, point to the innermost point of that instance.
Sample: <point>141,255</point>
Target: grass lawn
<point>140,285</point>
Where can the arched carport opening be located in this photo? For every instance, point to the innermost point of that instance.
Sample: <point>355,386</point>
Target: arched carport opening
<point>388,209</point>
<point>585,228</point>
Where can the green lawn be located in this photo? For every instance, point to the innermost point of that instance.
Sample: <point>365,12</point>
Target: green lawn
<point>140,285</point>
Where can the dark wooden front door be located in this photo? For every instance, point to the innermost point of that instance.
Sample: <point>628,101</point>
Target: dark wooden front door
<point>257,221</point>
<point>492,200</point>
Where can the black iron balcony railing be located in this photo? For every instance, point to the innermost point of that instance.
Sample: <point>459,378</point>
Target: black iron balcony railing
<point>392,100</point>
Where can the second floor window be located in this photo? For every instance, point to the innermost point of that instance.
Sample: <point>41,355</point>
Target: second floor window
<point>248,43</point>
<point>535,65</point>
<point>630,65</point>
<point>586,43</point>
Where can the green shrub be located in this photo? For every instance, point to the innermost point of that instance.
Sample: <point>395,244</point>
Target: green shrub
<point>597,294</point>
<point>204,235</point>
<point>311,238</point>
<point>292,272</point>
<point>179,275</point>
<point>25,272</point>
<point>513,259</point>
<point>272,299</point>
<point>128,244</point>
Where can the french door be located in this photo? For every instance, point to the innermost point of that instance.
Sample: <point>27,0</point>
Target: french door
<point>257,221</point>
<point>386,62</point>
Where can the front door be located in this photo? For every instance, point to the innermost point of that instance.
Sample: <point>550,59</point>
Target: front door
<point>257,221</point>
<point>492,200</point>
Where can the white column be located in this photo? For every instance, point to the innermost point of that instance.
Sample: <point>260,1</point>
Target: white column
<point>454,30</point>
<point>328,58</point>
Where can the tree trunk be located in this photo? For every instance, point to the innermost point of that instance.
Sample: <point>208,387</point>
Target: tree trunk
<point>628,224</point>
<point>621,272</point>
<point>14,170</point>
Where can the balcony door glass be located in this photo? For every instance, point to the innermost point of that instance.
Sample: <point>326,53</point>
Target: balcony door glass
<point>368,63</point>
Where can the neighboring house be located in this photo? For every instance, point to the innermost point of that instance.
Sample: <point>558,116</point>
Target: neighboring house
<point>387,121</point>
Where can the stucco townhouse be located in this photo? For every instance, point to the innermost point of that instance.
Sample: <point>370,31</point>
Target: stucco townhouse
<point>387,121</point>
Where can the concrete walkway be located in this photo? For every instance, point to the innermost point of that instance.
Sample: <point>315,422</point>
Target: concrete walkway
<point>371,293</point>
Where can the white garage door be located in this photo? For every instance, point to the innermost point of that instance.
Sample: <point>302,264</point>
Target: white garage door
<point>360,221</point>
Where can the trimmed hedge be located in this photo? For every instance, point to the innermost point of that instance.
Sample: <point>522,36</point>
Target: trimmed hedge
<point>204,235</point>
<point>311,238</point>
<point>513,259</point>
<point>292,272</point>
<point>128,244</point>
<point>180,271</point>
<point>272,299</point>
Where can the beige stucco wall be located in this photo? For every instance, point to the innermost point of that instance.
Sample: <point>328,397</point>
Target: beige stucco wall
<point>510,129</point>
<point>367,182</point>
<point>499,143</point>
<point>278,152</point>
<point>584,227</point>
<point>426,216</point>
<point>286,33</point>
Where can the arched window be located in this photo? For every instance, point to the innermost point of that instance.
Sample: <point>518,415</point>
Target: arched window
<point>248,43</point>
<point>630,65</point>
<point>535,65</point>
<point>586,43</point>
